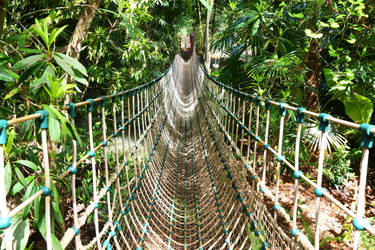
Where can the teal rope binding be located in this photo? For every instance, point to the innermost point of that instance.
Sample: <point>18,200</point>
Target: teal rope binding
<point>268,104</point>
<point>280,158</point>
<point>104,101</point>
<point>90,107</point>
<point>72,170</point>
<point>276,207</point>
<point>5,222</point>
<point>300,118</point>
<point>295,232</point>
<point>72,110</point>
<point>324,123</point>
<point>264,246</point>
<point>297,174</point>
<point>320,192</point>
<point>91,153</point>
<point>360,223</point>
<point>282,109</point>
<point>3,133</point>
<point>367,138</point>
<point>257,100</point>
<point>76,230</point>
<point>46,191</point>
<point>43,118</point>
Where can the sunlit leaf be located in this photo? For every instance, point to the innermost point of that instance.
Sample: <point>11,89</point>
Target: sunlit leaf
<point>28,164</point>
<point>54,129</point>
<point>7,75</point>
<point>206,4</point>
<point>64,65</point>
<point>359,108</point>
<point>7,178</point>
<point>311,34</point>
<point>73,62</point>
<point>21,235</point>
<point>28,62</point>
<point>297,15</point>
<point>12,93</point>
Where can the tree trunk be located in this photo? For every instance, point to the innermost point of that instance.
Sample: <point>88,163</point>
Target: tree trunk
<point>199,35</point>
<point>82,27</point>
<point>313,77</point>
<point>207,42</point>
<point>3,12</point>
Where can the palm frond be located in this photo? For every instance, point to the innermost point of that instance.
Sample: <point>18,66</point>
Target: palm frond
<point>313,137</point>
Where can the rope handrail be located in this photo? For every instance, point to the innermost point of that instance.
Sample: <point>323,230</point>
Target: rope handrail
<point>98,99</point>
<point>85,157</point>
<point>359,222</point>
<point>281,158</point>
<point>256,98</point>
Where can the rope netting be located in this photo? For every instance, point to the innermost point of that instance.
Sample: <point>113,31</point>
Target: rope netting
<point>197,175</point>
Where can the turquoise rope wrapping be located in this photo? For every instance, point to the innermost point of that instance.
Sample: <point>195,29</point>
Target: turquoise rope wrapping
<point>3,133</point>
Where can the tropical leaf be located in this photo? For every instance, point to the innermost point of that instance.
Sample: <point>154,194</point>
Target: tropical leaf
<point>7,75</point>
<point>28,62</point>
<point>359,108</point>
<point>12,93</point>
<point>28,164</point>
<point>206,4</point>
<point>73,62</point>
<point>21,235</point>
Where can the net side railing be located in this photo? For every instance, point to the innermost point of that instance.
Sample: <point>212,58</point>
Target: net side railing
<point>241,117</point>
<point>139,113</point>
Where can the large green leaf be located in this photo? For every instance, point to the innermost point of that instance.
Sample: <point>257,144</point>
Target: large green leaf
<point>42,229</point>
<point>21,235</point>
<point>16,188</point>
<point>30,190</point>
<point>56,243</point>
<point>297,15</point>
<point>66,126</point>
<point>28,164</point>
<point>328,74</point>
<point>8,178</point>
<point>54,129</point>
<point>80,78</point>
<point>255,27</point>
<point>31,71</point>
<point>9,145</point>
<point>56,206</point>
<point>42,31</point>
<point>12,93</point>
<point>74,62</point>
<point>54,34</point>
<point>64,65</point>
<point>206,4</point>
<point>20,176</point>
<point>7,75</point>
<point>28,61</point>
<point>359,108</point>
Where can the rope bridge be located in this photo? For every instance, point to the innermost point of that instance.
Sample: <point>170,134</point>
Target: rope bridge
<point>197,176</point>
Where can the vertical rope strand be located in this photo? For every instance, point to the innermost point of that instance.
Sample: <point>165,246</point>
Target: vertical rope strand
<point>47,183</point>
<point>94,180</point>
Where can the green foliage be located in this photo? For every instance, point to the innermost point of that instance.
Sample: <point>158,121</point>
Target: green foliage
<point>338,167</point>
<point>274,39</point>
